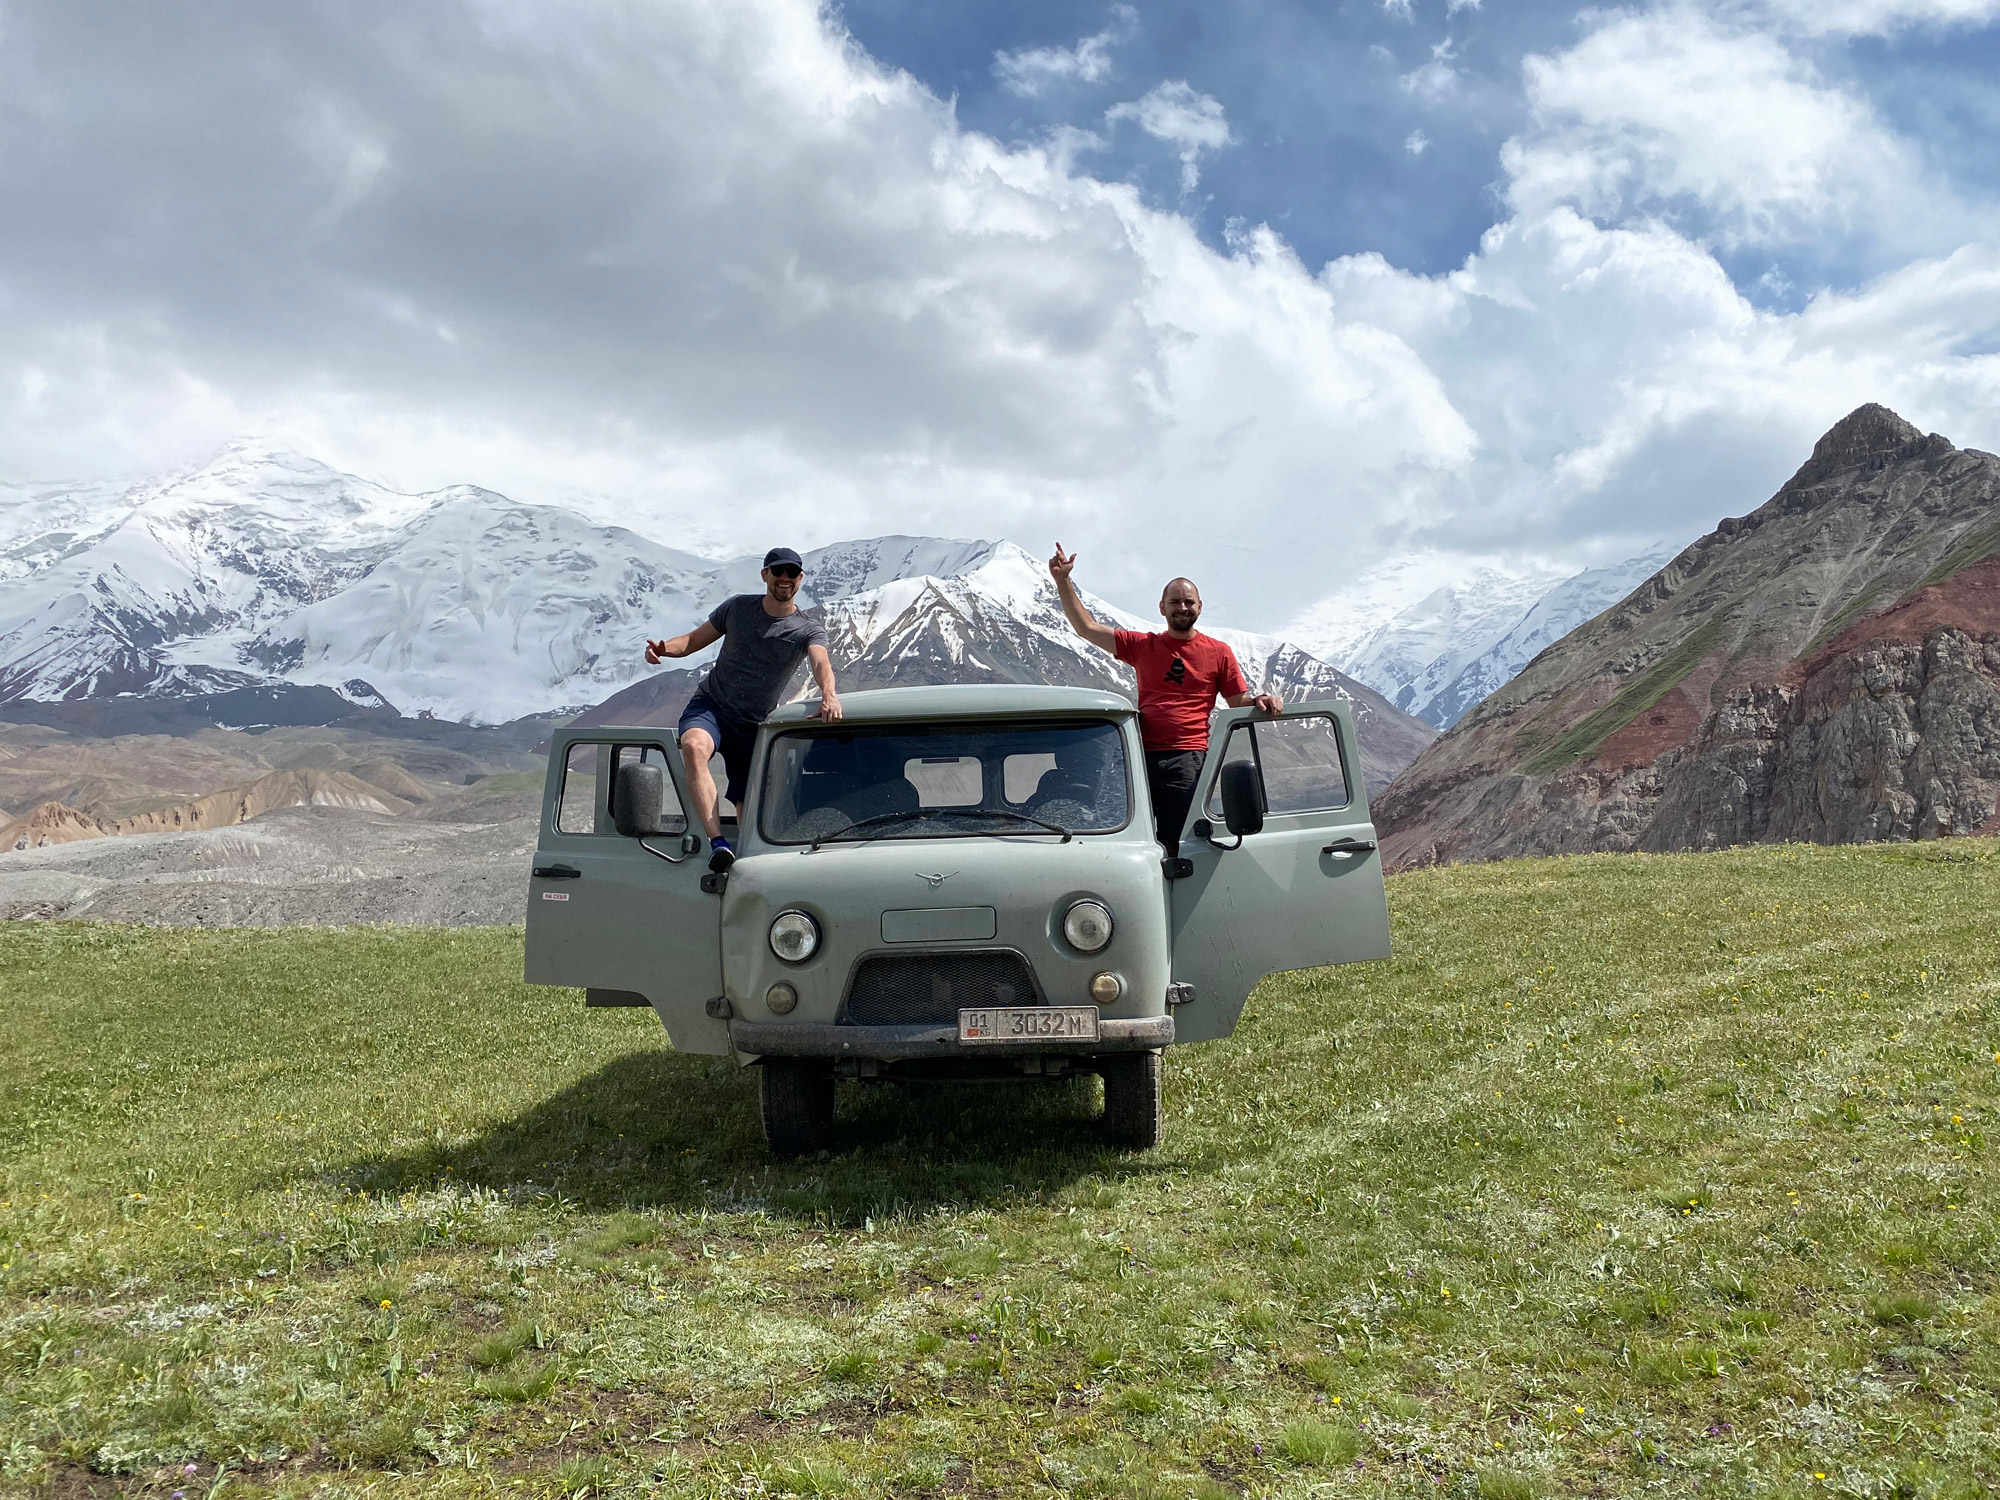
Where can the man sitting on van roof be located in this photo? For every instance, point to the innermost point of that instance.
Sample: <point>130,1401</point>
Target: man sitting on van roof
<point>1181,672</point>
<point>763,636</point>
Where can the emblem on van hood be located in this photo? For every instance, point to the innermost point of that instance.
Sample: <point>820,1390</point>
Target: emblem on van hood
<point>936,880</point>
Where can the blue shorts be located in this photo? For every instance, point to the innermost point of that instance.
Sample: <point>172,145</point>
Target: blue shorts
<point>735,738</point>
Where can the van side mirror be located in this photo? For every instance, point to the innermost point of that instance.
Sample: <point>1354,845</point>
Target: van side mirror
<point>637,799</point>
<point>1242,798</point>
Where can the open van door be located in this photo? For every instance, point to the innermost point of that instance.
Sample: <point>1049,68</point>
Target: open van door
<point>1302,891</point>
<point>625,918</point>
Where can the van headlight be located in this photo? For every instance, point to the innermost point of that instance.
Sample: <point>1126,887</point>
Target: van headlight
<point>1087,926</point>
<point>794,936</point>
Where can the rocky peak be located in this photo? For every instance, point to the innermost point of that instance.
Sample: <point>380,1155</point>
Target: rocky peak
<point>1869,428</point>
<point>1863,434</point>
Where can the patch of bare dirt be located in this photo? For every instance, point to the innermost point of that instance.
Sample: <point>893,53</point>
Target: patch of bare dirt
<point>311,866</point>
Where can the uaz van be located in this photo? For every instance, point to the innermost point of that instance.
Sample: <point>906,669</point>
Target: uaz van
<point>955,883</point>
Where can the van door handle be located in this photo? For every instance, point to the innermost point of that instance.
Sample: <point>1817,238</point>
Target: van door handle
<point>1348,848</point>
<point>556,872</point>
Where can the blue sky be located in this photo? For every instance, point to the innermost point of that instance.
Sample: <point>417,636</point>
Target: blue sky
<point>1323,304</point>
<point>1325,103</point>
<point>1314,94</point>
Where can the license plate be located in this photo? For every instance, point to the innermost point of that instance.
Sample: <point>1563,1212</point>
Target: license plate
<point>1028,1023</point>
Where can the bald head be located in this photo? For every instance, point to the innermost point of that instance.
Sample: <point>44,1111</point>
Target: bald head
<point>1180,606</point>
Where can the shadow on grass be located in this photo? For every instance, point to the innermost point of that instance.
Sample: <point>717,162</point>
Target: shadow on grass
<point>662,1130</point>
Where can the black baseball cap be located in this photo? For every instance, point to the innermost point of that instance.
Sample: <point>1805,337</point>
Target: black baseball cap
<point>778,556</point>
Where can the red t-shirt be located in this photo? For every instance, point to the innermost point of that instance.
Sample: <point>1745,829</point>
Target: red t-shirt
<point>1179,682</point>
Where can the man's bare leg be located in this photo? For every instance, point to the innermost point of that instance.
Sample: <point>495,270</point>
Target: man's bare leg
<point>696,748</point>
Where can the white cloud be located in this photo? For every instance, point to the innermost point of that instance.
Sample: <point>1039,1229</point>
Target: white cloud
<point>1175,113</point>
<point>1402,10</point>
<point>1416,142</point>
<point>1436,78</point>
<point>715,274</point>
<point>1620,385</point>
<point>1031,70</point>
<point>709,269</point>
<point>1669,112</point>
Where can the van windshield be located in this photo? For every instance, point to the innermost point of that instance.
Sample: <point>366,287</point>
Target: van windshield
<point>926,781</point>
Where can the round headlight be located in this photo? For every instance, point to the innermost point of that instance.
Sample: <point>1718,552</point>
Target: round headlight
<point>794,936</point>
<point>781,998</point>
<point>1087,926</point>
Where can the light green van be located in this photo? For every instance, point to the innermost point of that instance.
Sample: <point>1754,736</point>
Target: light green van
<point>955,882</point>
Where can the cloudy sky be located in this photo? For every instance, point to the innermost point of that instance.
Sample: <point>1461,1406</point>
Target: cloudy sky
<point>1263,291</point>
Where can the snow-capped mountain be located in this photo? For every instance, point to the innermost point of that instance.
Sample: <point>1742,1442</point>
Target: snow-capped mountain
<point>133,600</point>
<point>40,524</point>
<point>1414,653</point>
<point>264,568</point>
<point>1434,639</point>
<point>1553,616</point>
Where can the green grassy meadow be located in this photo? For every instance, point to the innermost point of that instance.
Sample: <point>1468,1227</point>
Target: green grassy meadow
<point>1628,1175</point>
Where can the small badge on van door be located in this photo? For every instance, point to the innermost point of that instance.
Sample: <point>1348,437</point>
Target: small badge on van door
<point>936,880</point>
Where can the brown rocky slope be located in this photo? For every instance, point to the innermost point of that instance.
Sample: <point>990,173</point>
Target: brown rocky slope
<point>80,786</point>
<point>1825,669</point>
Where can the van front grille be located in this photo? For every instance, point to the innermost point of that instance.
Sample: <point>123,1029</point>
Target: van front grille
<point>929,989</point>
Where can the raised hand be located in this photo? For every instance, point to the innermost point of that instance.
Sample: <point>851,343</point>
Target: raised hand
<point>1060,565</point>
<point>656,651</point>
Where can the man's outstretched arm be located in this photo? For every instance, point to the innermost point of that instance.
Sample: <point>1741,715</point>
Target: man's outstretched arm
<point>1236,689</point>
<point>822,670</point>
<point>1268,703</point>
<point>703,634</point>
<point>1100,636</point>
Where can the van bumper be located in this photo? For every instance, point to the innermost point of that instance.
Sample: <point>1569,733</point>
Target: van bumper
<point>897,1043</point>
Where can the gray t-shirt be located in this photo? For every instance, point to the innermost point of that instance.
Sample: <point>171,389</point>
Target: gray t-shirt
<point>759,654</point>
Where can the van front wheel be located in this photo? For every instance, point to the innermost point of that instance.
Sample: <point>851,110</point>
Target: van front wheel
<point>798,1106</point>
<point>1132,1099</point>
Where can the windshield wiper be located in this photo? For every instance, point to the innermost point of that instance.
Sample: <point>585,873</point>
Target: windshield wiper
<point>1008,812</point>
<point>878,819</point>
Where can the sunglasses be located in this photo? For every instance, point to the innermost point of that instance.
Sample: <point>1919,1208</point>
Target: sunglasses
<point>785,571</point>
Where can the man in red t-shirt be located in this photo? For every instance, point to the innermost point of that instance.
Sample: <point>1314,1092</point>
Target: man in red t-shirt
<point>1181,673</point>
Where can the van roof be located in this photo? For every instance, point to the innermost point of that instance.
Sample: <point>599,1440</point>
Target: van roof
<point>963,701</point>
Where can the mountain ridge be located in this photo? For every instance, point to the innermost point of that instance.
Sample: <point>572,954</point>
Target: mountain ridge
<point>267,572</point>
<point>1785,676</point>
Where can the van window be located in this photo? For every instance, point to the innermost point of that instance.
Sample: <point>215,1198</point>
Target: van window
<point>1298,760</point>
<point>1021,775</point>
<point>945,780</point>
<point>583,810</point>
<point>577,811</point>
<point>1303,771</point>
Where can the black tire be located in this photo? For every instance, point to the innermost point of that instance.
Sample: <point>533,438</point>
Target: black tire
<point>1132,1114</point>
<point>798,1106</point>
